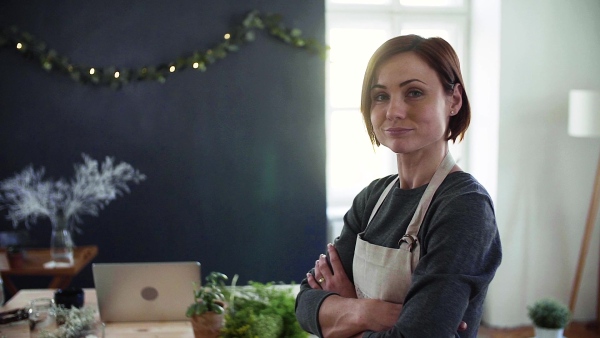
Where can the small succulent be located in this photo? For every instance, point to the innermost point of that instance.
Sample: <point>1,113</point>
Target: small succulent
<point>209,297</point>
<point>549,313</point>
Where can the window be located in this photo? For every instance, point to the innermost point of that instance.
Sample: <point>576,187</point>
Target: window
<point>355,28</point>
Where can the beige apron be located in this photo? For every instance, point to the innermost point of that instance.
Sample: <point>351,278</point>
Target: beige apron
<point>385,273</point>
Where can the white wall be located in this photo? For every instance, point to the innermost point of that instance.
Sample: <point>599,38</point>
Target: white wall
<point>545,177</point>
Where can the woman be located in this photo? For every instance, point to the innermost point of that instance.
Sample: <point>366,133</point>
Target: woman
<point>418,249</point>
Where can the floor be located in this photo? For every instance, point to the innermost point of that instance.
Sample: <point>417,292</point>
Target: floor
<point>574,330</point>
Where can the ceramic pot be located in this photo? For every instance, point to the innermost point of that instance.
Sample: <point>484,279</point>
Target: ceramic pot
<point>69,297</point>
<point>541,332</point>
<point>207,325</point>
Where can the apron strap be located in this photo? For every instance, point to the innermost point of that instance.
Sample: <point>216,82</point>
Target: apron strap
<point>381,199</point>
<point>440,174</point>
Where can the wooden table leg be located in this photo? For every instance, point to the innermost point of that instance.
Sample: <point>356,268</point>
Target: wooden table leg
<point>10,286</point>
<point>60,282</point>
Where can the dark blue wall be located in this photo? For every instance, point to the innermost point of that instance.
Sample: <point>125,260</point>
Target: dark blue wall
<point>235,157</point>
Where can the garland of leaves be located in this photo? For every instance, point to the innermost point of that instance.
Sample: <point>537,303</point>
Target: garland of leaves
<point>50,60</point>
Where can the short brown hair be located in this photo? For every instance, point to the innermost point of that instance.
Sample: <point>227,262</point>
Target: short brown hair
<point>440,56</point>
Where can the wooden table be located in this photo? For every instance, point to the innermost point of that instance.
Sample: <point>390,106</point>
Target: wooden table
<point>164,329</point>
<point>34,266</point>
<point>171,329</point>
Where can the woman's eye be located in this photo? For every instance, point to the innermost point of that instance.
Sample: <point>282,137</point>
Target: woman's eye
<point>414,93</point>
<point>380,97</point>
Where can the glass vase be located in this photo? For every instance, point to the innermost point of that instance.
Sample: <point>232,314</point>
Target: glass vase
<point>61,242</point>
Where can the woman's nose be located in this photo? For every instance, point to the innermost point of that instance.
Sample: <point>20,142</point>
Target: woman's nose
<point>396,109</point>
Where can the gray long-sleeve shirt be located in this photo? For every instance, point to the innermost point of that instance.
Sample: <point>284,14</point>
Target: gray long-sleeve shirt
<point>460,252</point>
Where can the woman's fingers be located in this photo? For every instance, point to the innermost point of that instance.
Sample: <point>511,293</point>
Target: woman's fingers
<point>334,258</point>
<point>317,277</point>
<point>329,274</point>
<point>312,282</point>
<point>324,267</point>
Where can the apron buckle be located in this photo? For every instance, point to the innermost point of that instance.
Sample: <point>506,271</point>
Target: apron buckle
<point>410,240</point>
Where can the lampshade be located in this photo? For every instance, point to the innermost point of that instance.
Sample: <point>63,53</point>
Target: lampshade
<point>584,113</point>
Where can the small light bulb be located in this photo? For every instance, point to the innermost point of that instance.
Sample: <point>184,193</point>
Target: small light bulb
<point>227,36</point>
<point>195,65</point>
<point>117,75</point>
<point>19,45</point>
<point>92,71</point>
<point>172,69</point>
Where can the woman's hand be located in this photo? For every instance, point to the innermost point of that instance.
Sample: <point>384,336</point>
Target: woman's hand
<point>375,315</point>
<point>344,317</point>
<point>341,317</point>
<point>331,279</point>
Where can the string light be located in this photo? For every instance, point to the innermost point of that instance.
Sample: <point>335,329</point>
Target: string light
<point>38,50</point>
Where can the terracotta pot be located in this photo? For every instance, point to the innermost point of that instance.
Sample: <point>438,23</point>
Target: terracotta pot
<point>207,325</point>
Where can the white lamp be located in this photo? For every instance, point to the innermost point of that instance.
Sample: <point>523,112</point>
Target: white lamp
<point>584,121</point>
<point>584,113</point>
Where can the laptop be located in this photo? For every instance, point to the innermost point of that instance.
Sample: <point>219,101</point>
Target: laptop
<point>134,292</point>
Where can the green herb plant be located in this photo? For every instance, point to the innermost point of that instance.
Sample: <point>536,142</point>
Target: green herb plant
<point>209,297</point>
<point>549,313</point>
<point>262,311</point>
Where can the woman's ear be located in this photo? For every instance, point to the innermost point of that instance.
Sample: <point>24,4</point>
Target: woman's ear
<point>456,99</point>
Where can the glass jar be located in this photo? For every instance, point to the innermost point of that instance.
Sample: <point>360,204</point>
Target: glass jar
<point>61,242</point>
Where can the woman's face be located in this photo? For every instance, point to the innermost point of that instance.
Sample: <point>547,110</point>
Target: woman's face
<point>410,109</point>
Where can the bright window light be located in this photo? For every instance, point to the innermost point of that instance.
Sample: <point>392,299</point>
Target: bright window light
<point>427,33</point>
<point>350,52</point>
<point>360,2</point>
<point>354,163</point>
<point>431,3</point>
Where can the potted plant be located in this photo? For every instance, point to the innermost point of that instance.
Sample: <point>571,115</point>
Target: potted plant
<point>550,317</point>
<point>262,310</point>
<point>207,312</point>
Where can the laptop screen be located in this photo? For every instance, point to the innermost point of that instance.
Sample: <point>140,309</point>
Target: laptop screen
<point>129,292</point>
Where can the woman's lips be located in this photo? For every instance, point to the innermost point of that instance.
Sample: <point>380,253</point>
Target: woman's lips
<point>397,131</point>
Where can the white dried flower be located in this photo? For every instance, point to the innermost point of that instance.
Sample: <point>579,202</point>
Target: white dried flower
<point>27,196</point>
<point>73,323</point>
